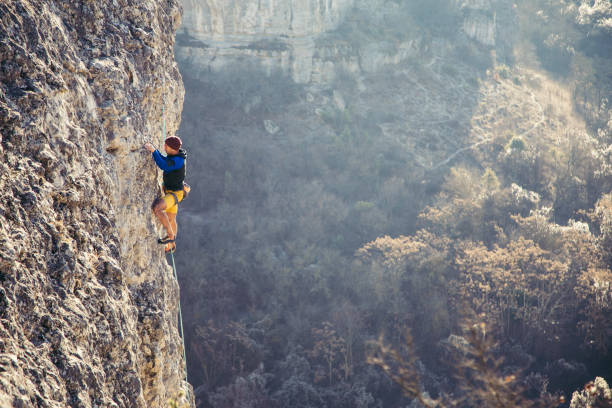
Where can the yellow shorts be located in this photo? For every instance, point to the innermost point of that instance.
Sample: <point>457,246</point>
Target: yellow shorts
<point>171,202</point>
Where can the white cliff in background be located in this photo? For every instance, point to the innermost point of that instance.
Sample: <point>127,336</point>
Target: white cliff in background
<point>479,21</point>
<point>286,35</point>
<point>222,19</point>
<point>278,34</point>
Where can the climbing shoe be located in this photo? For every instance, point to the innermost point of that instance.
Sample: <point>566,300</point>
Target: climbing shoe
<point>165,240</point>
<point>170,247</point>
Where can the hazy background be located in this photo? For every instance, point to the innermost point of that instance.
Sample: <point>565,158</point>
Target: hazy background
<point>363,167</point>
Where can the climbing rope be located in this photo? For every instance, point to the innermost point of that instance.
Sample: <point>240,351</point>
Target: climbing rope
<point>182,333</point>
<point>180,317</point>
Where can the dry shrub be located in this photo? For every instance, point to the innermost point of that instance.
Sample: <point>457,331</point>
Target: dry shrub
<point>479,375</point>
<point>475,206</point>
<point>522,289</point>
<point>224,352</point>
<point>402,370</point>
<point>601,216</point>
<point>545,283</point>
<point>539,228</point>
<point>410,277</point>
<point>594,290</point>
<point>596,394</point>
<point>329,348</point>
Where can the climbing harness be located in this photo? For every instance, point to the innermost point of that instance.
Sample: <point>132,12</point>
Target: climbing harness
<point>176,200</point>
<point>182,333</point>
<point>186,190</point>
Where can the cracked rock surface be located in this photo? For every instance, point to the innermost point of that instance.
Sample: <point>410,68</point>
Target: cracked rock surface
<point>88,303</point>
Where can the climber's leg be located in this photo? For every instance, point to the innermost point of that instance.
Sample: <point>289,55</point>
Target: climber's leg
<point>159,209</point>
<point>173,225</point>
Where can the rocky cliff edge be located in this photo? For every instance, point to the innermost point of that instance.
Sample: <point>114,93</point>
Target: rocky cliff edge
<point>88,304</point>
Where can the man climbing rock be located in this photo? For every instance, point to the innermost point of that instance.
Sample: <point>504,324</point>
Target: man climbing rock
<point>165,208</point>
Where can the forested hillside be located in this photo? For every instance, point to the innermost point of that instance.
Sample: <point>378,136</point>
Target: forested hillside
<point>461,193</point>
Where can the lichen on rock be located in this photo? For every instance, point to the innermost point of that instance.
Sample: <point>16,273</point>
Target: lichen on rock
<point>87,302</point>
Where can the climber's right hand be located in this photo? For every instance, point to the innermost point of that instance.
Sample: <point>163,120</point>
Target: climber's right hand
<point>149,147</point>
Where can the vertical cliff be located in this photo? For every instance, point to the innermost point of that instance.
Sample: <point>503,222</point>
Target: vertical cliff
<point>277,34</point>
<point>88,303</point>
<point>297,37</point>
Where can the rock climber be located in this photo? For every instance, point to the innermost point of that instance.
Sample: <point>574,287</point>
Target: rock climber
<point>165,208</point>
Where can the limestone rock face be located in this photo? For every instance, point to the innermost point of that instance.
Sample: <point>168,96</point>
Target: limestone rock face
<point>289,35</point>
<point>479,20</point>
<point>88,304</point>
<point>281,34</point>
<point>222,19</point>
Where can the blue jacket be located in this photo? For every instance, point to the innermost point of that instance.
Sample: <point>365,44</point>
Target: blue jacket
<point>173,167</point>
